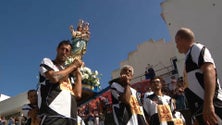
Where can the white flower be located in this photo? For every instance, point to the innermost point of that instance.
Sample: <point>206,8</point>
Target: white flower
<point>96,72</point>
<point>88,70</point>
<point>69,61</point>
<point>85,76</point>
<point>90,77</point>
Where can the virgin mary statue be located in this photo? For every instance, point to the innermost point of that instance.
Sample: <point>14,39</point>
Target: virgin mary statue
<point>80,38</point>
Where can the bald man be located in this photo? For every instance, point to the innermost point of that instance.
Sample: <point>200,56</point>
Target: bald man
<point>203,90</point>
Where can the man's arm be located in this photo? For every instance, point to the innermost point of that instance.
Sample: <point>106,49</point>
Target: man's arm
<point>33,113</point>
<point>77,89</point>
<point>25,110</point>
<point>210,87</point>
<point>125,97</point>
<point>56,76</point>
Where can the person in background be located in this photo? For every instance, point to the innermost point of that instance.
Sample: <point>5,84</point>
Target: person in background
<point>151,103</point>
<point>59,88</point>
<point>203,92</point>
<point>127,108</point>
<point>148,92</point>
<point>179,96</point>
<point>151,71</point>
<point>177,114</point>
<point>91,118</point>
<point>30,111</point>
<point>11,121</point>
<point>173,83</point>
<point>147,75</point>
<point>2,120</point>
<point>80,121</point>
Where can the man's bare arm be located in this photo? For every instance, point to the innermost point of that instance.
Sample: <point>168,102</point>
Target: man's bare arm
<point>56,76</point>
<point>210,86</point>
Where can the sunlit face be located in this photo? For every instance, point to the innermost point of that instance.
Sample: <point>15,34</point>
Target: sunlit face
<point>127,71</point>
<point>179,44</point>
<point>32,97</point>
<point>156,84</point>
<point>63,52</point>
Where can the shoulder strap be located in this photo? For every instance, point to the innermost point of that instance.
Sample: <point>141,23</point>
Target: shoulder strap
<point>200,60</point>
<point>189,61</point>
<point>114,80</point>
<point>42,78</point>
<point>31,106</point>
<point>46,66</point>
<point>151,96</point>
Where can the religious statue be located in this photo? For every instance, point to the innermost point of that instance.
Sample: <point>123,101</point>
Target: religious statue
<point>80,38</point>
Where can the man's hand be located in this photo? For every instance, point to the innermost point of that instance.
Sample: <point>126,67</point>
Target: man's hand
<point>209,115</point>
<point>125,96</point>
<point>125,80</point>
<point>33,113</point>
<point>77,73</point>
<point>78,63</point>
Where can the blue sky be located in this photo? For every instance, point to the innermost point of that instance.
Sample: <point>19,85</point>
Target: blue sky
<point>31,29</point>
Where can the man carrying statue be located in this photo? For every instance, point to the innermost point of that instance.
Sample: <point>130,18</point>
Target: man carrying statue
<point>60,82</point>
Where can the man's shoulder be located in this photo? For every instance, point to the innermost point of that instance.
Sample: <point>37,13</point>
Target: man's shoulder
<point>26,107</point>
<point>146,94</point>
<point>46,60</point>
<point>116,80</point>
<point>151,96</point>
<point>115,85</point>
<point>167,97</point>
<point>197,47</point>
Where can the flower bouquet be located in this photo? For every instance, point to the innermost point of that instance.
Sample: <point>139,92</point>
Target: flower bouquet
<point>90,84</point>
<point>90,79</point>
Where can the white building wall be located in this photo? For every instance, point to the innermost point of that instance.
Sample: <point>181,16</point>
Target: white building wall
<point>13,105</point>
<point>3,97</point>
<point>156,53</point>
<point>204,17</point>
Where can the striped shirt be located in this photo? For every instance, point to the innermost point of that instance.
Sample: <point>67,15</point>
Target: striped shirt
<point>127,114</point>
<point>195,58</point>
<point>55,100</point>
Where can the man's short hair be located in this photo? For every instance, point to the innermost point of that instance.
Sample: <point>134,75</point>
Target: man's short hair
<point>127,66</point>
<point>157,77</point>
<point>185,33</point>
<point>64,42</point>
<point>31,90</point>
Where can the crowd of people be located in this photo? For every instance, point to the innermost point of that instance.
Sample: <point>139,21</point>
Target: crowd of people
<point>60,87</point>
<point>91,113</point>
<point>200,87</point>
<point>131,107</point>
<point>94,113</point>
<point>9,121</point>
